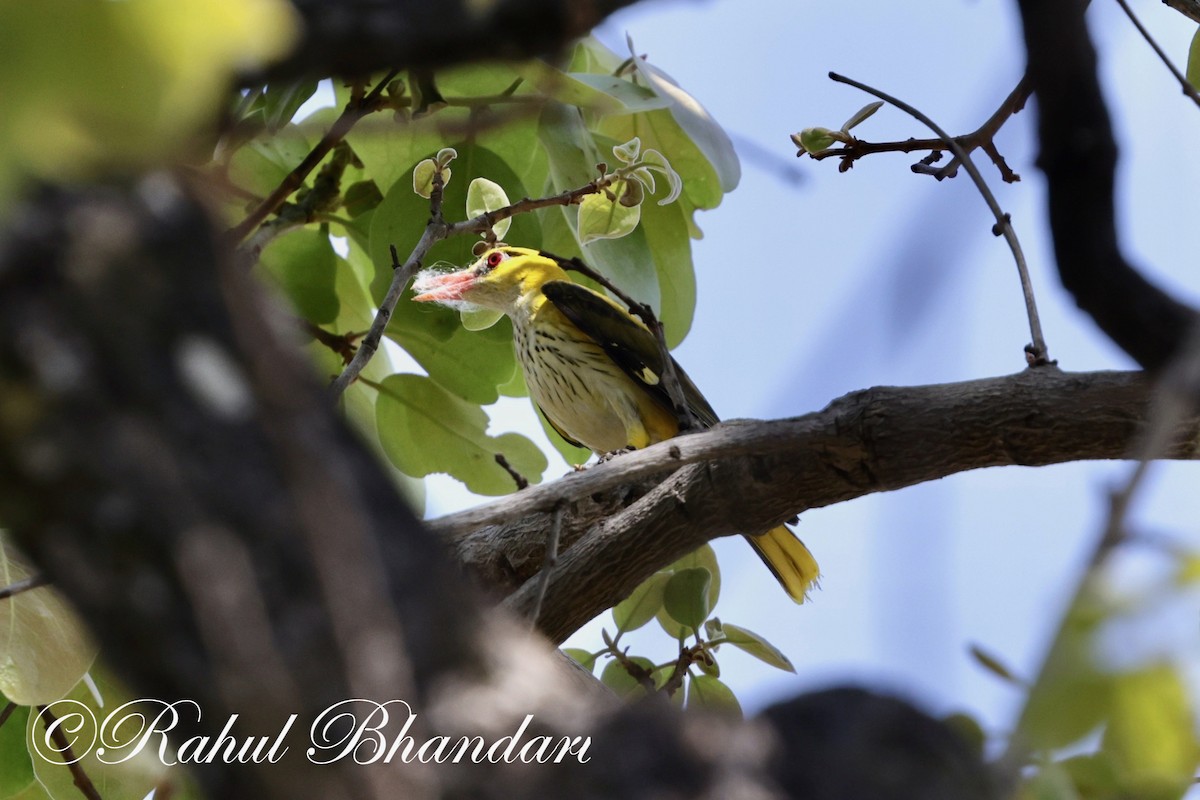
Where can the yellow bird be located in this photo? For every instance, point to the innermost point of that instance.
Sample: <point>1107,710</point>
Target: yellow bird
<point>594,370</point>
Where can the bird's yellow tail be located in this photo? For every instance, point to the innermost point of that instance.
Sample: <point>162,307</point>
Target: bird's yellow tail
<point>788,559</point>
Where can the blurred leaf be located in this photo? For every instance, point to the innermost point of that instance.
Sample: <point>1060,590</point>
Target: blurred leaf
<point>632,98</point>
<point>616,677</point>
<point>640,607</point>
<point>16,766</point>
<point>260,165</point>
<point>969,730</point>
<point>757,646</point>
<point>302,263</point>
<point>1050,782</point>
<point>122,775</point>
<point>425,429</point>
<point>994,665</point>
<point>479,319</point>
<point>566,88</point>
<point>1071,698</point>
<point>92,86</point>
<point>44,649</point>
<point>685,596</point>
<point>1150,733</point>
<point>1093,775</point>
<point>585,658</point>
<point>1193,62</point>
<point>484,195</point>
<point>710,694</point>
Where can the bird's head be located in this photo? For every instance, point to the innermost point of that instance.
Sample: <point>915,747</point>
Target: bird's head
<point>497,280</point>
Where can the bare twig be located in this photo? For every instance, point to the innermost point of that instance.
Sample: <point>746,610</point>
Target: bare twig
<point>548,562</point>
<point>356,109</point>
<point>1003,226</point>
<point>32,582</point>
<point>1188,89</point>
<point>982,138</point>
<point>82,781</point>
<point>520,480</point>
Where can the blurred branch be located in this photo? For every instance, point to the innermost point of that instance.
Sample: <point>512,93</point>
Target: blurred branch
<point>1078,155</point>
<point>32,582</point>
<point>1189,8</point>
<point>649,507</point>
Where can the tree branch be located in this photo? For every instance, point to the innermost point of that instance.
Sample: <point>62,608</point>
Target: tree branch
<point>643,510</point>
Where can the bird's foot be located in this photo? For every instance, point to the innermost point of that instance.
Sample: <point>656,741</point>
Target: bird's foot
<point>614,453</point>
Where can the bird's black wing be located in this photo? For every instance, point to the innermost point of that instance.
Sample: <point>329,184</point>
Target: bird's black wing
<point>627,342</point>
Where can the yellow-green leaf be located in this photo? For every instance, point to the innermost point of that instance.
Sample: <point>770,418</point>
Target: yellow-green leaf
<point>484,195</point>
<point>604,217</point>
<point>640,607</point>
<point>709,693</point>
<point>1150,733</point>
<point>44,649</point>
<point>685,596</point>
<point>750,642</point>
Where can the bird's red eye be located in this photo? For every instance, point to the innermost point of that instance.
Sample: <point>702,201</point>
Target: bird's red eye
<point>494,259</point>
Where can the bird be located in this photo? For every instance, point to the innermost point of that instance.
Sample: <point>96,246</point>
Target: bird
<point>594,370</point>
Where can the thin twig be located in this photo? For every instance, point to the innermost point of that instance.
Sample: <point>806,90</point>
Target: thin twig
<point>548,562</point>
<point>82,781</point>
<point>7,712</point>
<point>356,109</point>
<point>1188,89</point>
<point>342,344</point>
<point>520,480</point>
<point>670,374</point>
<point>32,582</point>
<point>982,138</point>
<point>1040,353</point>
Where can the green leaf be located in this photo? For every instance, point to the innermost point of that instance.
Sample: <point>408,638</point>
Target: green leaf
<point>584,658</point>
<point>16,765</point>
<point>425,429</point>
<point>670,250</point>
<point>750,642</point>
<point>602,217</point>
<point>693,122</point>
<point>479,319</point>
<point>815,140</point>
<point>565,88</point>
<point>1093,775</point>
<point>44,649</point>
<point>1193,62</point>
<point>281,101</point>
<point>1150,733</point>
<point>709,693</point>
<point>1050,782</point>
<point>969,730</point>
<point>472,364</point>
<point>656,161</point>
<point>860,115</point>
<point>703,557</point>
<point>685,596</point>
<point>422,177</point>
<point>301,262</point>
<point>260,165</point>
<point>616,677</point>
<point>640,607</point>
<point>483,196</point>
<point>628,152</point>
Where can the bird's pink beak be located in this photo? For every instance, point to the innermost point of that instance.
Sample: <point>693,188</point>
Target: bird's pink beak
<point>442,287</point>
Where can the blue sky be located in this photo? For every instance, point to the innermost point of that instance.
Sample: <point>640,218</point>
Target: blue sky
<point>811,289</point>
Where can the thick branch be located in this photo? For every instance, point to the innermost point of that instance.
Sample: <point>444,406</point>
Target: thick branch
<point>1078,155</point>
<point>746,476</point>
